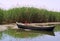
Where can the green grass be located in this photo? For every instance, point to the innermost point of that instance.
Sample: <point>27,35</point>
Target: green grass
<point>1,16</point>
<point>28,14</point>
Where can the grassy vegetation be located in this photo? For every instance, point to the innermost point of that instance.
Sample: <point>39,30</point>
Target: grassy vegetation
<point>28,14</point>
<point>1,16</point>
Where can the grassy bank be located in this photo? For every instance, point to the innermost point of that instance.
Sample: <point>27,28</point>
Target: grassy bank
<point>28,14</point>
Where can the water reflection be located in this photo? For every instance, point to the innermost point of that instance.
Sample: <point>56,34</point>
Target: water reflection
<point>6,37</point>
<point>25,34</point>
<point>0,35</point>
<point>22,35</point>
<point>57,28</point>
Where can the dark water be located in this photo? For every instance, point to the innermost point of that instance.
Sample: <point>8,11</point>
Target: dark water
<point>21,35</point>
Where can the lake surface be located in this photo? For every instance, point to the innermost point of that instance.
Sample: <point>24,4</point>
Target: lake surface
<point>21,35</point>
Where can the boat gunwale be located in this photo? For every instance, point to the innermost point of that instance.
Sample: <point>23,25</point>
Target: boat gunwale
<point>34,25</point>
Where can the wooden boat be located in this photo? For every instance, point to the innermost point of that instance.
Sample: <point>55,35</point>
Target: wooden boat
<point>35,27</point>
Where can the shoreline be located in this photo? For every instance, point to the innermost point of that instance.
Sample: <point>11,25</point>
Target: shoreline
<point>14,26</point>
<point>35,23</point>
<point>47,23</point>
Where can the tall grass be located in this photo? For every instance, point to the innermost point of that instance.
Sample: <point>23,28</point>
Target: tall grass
<point>28,14</point>
<point>1,16</point>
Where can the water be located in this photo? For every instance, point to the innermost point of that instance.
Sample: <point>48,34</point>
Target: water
<point>21,35</point>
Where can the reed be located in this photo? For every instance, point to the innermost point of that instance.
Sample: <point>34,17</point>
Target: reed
<point>28,14</point>
<point>1,16</point>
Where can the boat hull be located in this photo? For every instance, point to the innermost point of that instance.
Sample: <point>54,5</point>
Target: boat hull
<point>50,28</point>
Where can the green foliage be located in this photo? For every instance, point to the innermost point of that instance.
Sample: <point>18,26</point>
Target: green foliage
<point>1,16</point>
<point>28,14</point>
